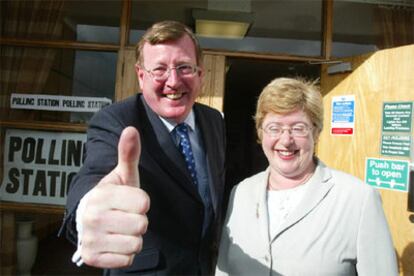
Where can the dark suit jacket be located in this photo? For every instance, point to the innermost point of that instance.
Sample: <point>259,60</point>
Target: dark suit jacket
<point>173,244</point>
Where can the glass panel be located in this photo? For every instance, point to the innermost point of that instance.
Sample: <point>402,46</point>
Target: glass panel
<point>59,72</point>
<point>366,27</point>
<point>282,27</point>
<point>93,21</point>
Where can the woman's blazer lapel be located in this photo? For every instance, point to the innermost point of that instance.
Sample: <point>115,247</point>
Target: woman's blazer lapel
<point>262,212</point>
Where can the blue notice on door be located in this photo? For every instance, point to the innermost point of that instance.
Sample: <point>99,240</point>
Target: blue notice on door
<point>343,115</point>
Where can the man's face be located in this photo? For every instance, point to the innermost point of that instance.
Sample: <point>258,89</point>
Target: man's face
<point>173,97</point>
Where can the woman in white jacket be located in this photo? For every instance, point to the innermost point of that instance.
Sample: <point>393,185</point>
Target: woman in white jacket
<point>299,217</point>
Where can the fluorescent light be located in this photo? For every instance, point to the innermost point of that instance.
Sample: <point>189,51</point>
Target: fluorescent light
<point>221,24</point>
<point>223,29</point>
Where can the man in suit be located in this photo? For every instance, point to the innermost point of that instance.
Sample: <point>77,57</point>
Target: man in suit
<point>137,206</point>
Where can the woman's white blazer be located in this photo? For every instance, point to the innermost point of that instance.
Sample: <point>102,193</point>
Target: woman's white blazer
<point>338,228</point>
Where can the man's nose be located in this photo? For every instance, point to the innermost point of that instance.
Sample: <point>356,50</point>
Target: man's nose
<point>173,77</point>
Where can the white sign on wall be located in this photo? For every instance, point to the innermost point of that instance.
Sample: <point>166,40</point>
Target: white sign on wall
<point>39,165</point>
<point>58,103</point>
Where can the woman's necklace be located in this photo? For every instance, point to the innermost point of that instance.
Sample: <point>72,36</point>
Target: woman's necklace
<point>275,187</point>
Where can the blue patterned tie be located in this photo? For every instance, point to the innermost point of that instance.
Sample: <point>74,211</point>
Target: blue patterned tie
<point>185,149</point>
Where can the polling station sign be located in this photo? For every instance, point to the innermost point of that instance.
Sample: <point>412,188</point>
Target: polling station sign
<point>39,165</point>
<point>58,103</point>
<point>387,174</point>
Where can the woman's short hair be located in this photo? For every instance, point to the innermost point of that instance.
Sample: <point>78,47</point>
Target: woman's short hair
<point>284,95</point>
<point>165,31</point>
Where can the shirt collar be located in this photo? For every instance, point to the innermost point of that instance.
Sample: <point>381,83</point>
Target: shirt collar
<point>170,124</point>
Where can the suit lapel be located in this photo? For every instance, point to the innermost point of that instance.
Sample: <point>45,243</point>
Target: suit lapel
<point>318,187</point>
<point>203,123</point>
<point>164,151</point>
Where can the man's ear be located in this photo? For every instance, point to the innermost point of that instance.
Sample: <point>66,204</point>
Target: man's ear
<point>201,72</point>
<point>140,75</point>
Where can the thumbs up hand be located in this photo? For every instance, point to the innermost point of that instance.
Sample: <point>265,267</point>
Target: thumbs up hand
<point>115,218</point>
<point>129,151</point>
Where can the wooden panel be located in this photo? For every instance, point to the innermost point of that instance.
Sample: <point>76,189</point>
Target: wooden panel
<point>214,81</point>
<point>385,76</point>
<point>329,82</point>
<point>36,208</point>
<point>126,80</point>
<point>52,126</point>
<point>327,28</point>
<point>8,249</point>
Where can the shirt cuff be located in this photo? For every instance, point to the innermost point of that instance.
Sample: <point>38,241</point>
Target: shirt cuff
<point>77,258</point>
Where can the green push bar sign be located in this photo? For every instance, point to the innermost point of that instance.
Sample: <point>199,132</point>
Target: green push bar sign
<point>387,174</point>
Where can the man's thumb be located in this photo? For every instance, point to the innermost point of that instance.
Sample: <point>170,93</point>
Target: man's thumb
<point>129,150</point>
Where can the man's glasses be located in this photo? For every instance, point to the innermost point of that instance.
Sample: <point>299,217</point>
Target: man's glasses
<point>161,73</point>
<point>296,130</point>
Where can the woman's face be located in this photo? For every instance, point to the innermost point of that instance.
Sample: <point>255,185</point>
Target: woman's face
<point>290,156</point>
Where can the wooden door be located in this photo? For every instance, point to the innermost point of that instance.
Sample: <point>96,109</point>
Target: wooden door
<point>383,76</point>
<point>213,86</point>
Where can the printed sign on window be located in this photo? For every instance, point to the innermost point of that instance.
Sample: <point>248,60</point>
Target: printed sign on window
<point>58,103</point>
<point>39,165</point>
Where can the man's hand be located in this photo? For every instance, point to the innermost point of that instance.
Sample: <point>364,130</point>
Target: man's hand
<point>115,215</point>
